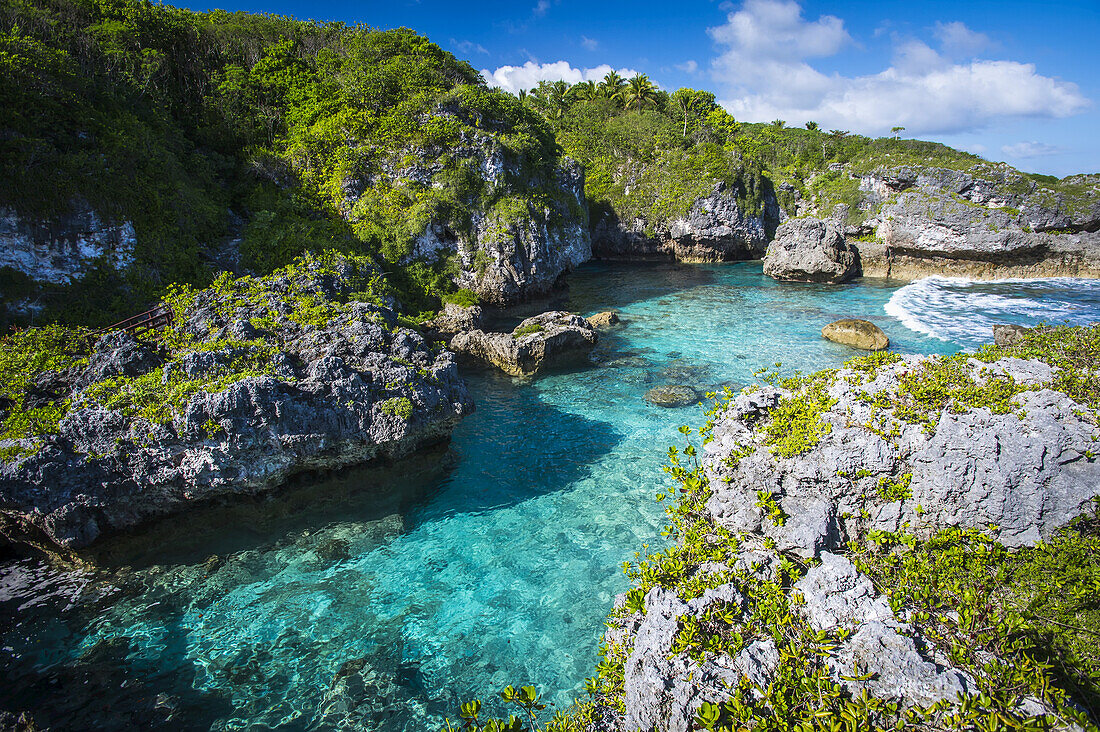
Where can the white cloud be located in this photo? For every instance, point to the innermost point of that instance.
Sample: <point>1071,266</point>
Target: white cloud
<point>958,40</point>
<point>590,43</point>
<point>540,8</point>
<point>468,46</point>
<point>1030,149</point>
<point>514,78</point>
<point>688,67</point>
<point>763,68</point>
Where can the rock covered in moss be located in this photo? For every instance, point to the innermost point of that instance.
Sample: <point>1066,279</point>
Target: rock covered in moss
<point>856,333</point>
<point>523,225</point>
<point>552,337</point>
<point>811,250</point>
<point>259,379</point>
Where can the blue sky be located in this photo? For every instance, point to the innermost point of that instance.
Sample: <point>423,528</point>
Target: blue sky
<point>1012,81</point>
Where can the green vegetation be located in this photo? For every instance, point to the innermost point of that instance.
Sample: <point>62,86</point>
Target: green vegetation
<point>1024,622</point>
<point>527,330</point>
<point>37,364</point>
<point>400,407</point>
<point>202,127</point>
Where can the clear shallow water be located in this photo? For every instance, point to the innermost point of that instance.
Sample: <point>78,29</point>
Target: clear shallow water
<point>382,597</point>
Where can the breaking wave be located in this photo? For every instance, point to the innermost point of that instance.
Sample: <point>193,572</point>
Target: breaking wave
<point>965,311</point>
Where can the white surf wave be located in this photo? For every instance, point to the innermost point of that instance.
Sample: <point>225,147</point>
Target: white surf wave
<point>965,311</point>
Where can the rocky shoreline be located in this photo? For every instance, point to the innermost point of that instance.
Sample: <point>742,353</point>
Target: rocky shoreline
<point>784,594</point>
<point>257,380</point>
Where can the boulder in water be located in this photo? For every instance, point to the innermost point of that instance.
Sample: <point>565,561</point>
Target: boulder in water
<point>673,395</point>
<point>604,320</point>
<point>811,250</point>
<point>857,334</point>
<point>1006,335</point>
<point>537,341</point>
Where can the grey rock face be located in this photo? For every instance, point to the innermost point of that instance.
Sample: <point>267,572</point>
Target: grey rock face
<point>1006,335</point>
<point>898,671</point>
<point>663,693</point>
<point>551,337</point>
<point>999,224</point>
<point>63,249</point>
<point>350,390</point>
<point>837,595</point>
<point>455,319</point>
<point>977,469</point>
<point>504,255</point>
<point>811,250</point>
<point>715,229</point>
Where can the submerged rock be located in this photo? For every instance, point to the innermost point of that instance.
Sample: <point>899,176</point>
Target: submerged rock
<point>811,250</point>
<point>552,337</point>
<point>678,395</point>
<point>857,334</point>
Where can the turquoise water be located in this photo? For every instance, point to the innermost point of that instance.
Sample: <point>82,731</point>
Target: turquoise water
<point>382,597</point>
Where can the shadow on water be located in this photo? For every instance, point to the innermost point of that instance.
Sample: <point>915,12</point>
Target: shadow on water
<point>361,494</point>
<point>163,642</point>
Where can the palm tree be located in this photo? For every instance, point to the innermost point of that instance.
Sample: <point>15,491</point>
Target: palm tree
<point>639,93</point>
<point>811,126</point>
<point>779,124</point>
<point>522,94</point>
<point>612,86</point>
<point>584,91</point>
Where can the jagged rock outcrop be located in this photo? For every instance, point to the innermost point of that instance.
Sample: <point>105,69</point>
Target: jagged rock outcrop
<point>63,248</point>
<point>811,250</point>
<point>1021,473</point>
<point>259,380</point>
<point>992,222</point>
<point>454,319</point>
<point>510,250</point>
<point>715,229</point>
<point>552,337</point>
<point>975,468</point>
<point>856,333</point>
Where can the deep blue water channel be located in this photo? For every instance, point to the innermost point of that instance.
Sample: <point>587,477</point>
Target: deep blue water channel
<point>380,598</point>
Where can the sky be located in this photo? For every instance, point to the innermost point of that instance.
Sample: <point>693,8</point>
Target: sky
<point>1012,81</point>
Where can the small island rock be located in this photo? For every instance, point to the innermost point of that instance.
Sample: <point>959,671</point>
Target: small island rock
<point>857,334</point>
<point>550,337</point>
<point>811,250</point>
<point>604,320</point>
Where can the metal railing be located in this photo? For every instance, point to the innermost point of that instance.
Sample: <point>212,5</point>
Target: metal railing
<point>154,319</point>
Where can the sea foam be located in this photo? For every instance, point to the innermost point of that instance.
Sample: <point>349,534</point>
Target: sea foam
<point>964,311</point>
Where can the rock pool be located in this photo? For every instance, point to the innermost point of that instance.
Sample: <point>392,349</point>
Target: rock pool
<point>381,597</point>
